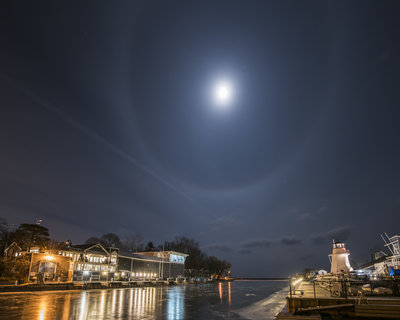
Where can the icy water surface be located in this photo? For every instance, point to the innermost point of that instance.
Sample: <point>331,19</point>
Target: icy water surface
<point>232,300</point>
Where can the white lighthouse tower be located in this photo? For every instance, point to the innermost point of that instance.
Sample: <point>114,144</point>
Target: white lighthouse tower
<point>339,258</point>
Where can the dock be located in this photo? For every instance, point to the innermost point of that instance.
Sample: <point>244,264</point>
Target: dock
<point>313,300</point>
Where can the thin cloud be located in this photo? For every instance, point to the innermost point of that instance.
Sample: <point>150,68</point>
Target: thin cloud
<point>338,234</point>
<point>227,220</point>
<point>290,241</point>
<point>257,243</point>
<point>218,247</point>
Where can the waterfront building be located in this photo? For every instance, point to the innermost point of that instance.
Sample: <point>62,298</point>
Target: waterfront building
<point>95,263</point>
<point>151,265</point>
<point>340,258</point>
<point>12,251</point>
<point>91,262</point>
<point>87,262</point>
<point>384,264</point>
<point>392,262</point>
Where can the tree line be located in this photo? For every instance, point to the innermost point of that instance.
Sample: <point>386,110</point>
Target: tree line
<point>197,264</point>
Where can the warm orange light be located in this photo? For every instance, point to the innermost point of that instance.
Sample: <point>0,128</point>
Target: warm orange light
<point>220,290</point>
<point>229,293</point>
<point>49,257</point>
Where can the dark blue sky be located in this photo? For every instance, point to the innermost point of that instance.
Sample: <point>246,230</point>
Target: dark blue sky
<point>108,125</point>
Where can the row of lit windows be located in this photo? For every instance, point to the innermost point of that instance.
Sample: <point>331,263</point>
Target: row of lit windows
<point>141,275</point>
<point>89,257</point>
<point>97,259</point>
<point>176,258</point>
<point>93,267</point>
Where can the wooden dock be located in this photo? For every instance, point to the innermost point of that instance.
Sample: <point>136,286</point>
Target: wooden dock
<point>313,302</point>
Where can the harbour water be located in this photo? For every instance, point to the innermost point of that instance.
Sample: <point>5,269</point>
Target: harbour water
<point>227,300</point>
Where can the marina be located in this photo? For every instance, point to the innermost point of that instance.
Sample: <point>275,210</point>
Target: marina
<point>370,293</point>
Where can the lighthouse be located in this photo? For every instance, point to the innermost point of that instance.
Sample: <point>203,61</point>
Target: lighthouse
<point>340,258</point>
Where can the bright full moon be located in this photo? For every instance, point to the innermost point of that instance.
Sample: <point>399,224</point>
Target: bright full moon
<point>223,93</point>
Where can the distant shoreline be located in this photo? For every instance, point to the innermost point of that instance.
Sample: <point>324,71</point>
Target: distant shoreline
<point>260,279</point>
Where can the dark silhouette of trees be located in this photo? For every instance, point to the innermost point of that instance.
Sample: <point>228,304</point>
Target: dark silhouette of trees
<point>30,235</point>
<point>5,234</point>
<point>150,247</point>
<point>197,263</point>
<point>216,267</point>
<point>14,269</point>
<point>111,240</point>
<point>107,240</point>
<point>133,243</point>
<point>92,240</point>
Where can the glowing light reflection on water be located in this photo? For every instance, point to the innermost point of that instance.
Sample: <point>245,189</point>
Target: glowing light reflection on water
<point>175,304</point>
<point>202,301</point>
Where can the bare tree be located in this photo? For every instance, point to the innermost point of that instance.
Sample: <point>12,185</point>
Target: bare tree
<point>92,240</point>
<point>111,240</point>
<point>133,243</point>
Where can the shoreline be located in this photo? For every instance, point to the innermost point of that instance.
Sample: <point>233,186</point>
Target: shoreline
<point>266,308</point>
<point>73,286</point>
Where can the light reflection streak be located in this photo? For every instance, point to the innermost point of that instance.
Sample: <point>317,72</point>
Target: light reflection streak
<point>229,293</point>
<point>121,301</point>
<point>102,303</point>
<point>66,307</point>
<point>139,305</point>
<point>136,300</point>
<point>131,294</point>
<point>83,310</point>
<point>132,303</point>
<point>114,297</point>
<point>220,290</point>
<point>42,308</point>
<point>175,307</point>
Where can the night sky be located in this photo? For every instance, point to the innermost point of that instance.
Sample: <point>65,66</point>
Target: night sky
<point>108,123</point>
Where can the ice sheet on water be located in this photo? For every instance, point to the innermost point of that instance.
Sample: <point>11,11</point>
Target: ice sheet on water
<point>266,308</point>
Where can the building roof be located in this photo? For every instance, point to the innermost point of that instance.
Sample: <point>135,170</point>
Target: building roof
<point>372,263</point>
<point>13,244</point>
<point>158,253</point>
<point>136,255</point>
<point>89,247</point>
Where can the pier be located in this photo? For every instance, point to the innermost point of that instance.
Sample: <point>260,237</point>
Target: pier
<point>316,300</point>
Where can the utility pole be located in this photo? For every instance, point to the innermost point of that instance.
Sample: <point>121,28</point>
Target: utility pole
<point>162,263</point>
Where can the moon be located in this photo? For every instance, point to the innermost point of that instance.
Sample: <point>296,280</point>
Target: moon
<point>223,93</point>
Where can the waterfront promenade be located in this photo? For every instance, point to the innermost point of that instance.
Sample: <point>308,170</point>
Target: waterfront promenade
<point>309,300</point>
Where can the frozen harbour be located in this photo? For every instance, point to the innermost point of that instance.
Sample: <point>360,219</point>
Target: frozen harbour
<point>227,300</point>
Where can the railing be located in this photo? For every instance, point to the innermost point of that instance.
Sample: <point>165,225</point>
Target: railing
<point>346,288</point>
